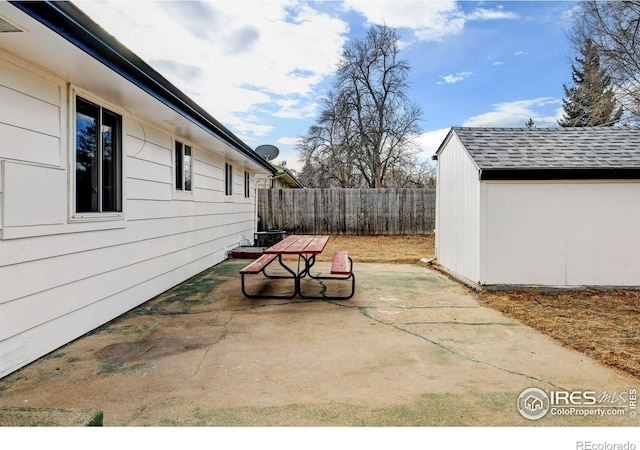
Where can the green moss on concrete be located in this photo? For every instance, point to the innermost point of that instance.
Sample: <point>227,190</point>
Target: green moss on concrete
<point>112,368</point>
<point>50,417</point>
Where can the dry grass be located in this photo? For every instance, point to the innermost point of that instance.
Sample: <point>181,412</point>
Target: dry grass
<point>388,249</point>
<point>604,325</point>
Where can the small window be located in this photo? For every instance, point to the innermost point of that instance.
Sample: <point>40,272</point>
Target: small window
<point>183,166</point>
<point>98,159</point>
<point>228,179</point>
<point>247,192</point>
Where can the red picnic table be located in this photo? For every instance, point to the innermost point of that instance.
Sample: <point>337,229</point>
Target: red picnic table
<point>306,247</point>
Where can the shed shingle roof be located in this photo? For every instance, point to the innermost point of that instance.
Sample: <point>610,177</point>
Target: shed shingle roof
<point>553,153</point>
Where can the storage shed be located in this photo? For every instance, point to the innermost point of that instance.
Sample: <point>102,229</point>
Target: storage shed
<point>552,207</point>
<point>114,185</point>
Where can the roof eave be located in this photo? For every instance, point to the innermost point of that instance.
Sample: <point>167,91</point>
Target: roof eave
<point>543,174</point>
<point>72,24</point>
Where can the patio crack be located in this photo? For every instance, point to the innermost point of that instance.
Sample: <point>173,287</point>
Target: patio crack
<point>273,305</point>
<point>365,312</point>
<point>220,338</point>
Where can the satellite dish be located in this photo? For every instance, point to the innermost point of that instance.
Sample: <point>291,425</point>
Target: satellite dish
<point>268,152</point>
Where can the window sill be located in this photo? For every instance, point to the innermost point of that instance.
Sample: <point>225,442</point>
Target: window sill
<point>183,195</point>
<point>93,217</point>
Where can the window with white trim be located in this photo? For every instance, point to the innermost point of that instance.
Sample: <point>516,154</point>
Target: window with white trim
<point>228,179</point>
<point>183,166</point>
<point>98,159</point>
<point>247,178</point>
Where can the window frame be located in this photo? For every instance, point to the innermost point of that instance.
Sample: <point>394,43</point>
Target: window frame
<point>247,184</point>
<point>182,185</point>
<point>228,180</point>
<point>105,110</point>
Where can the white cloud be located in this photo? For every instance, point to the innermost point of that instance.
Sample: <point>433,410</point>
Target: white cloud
<point>521,53</point>
<point>490,14</point>
<point>569,15</point>
<point>250,127</point>
<point>289,153</point>
<point>431,140</point>
<point>231,57</point>
<point>289,140</point>
<point>429,20</point>
<point>517,113</point>
<point>295,109</point>
<point>454,78</point>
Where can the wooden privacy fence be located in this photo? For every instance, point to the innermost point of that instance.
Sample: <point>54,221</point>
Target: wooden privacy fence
<point>348,211</point>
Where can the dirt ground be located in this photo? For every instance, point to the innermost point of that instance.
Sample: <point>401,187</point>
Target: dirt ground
<point>601,324</point>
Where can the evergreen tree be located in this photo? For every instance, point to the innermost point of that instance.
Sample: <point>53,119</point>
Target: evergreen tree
<point>591,101</point>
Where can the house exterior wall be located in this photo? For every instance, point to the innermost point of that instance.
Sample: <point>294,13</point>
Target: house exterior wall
<point>269,182</point>
<point>61,277</point>
<point>561,233</point>
<point>458,212</point>
<point>281,180</point>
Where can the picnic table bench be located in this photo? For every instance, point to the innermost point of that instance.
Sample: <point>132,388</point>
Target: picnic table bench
<point>306,247</point>
<point>341,263</point>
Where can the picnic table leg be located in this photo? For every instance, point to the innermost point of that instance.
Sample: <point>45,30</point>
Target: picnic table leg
<point>287,268</point>
<point>309,261</point>
<point>296,283</point>
<point>347,296</point>
<point>321,277</point>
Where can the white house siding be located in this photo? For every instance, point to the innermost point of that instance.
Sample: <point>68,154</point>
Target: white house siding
<point>61,278</point>
<point>458,211</point>
<point>561,233</point>
<point>524,233</point>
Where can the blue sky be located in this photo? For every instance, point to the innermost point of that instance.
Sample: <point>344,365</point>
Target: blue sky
<point>261,66</point>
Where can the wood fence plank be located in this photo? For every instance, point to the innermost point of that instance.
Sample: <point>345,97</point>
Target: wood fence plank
<point>347,211</point>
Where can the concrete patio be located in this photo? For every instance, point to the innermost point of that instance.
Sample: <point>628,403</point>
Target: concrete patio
<point>411,348</point>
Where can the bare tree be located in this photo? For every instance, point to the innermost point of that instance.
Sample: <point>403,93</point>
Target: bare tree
<point>368,123</point>
<point>330,148</point>
<point>421,175</point>
<point>614,29</point>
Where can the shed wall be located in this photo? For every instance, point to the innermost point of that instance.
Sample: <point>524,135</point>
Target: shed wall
<point>61,278</point>
<point>561,233</point>
<point>458,212</point>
